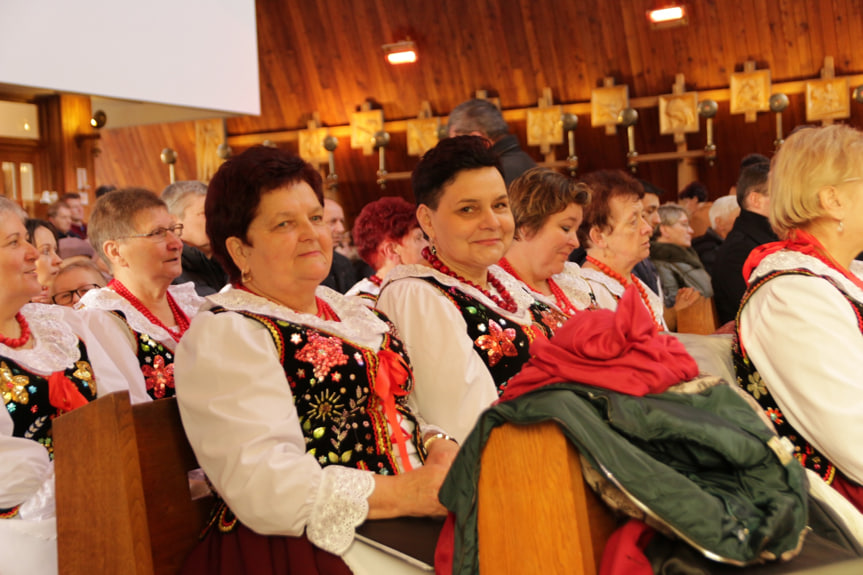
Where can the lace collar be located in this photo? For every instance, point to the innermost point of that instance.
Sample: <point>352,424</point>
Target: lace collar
<point>790,260</point>
<point>616,289</point>
<point>359,324</point>
<point>107,299</point>
<point>572,283</point>
<point>522,298</point>
<point>55,346</point>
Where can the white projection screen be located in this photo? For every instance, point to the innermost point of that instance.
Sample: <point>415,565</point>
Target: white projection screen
<point>194,53</point>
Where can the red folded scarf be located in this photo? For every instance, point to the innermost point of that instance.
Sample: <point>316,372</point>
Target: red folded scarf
<point>618,350</point>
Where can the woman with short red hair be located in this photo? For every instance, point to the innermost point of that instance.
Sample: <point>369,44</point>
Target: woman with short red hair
<point>386,234</point>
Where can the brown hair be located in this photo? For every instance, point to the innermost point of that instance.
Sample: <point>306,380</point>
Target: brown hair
<point>605,185</point>
<point>540,193</point>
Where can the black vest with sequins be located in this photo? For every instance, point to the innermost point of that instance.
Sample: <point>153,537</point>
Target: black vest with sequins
<point>156,362</point>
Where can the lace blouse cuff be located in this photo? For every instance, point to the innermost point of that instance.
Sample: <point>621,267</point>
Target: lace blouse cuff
<point>340,506</point>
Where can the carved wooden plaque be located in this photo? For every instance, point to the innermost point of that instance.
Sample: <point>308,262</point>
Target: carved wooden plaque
<point>678,113</point>
<point>363,127</point>
<point>422,135</point>
<point>827,99</point>
<point>750,93</point>
<point>606,103</point>
<point>312,145</point>
<point>544,127</point>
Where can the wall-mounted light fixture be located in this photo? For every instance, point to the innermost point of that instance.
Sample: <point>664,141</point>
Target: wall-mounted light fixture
<point>99,119</point>
<point>403,52</point>
<point>668,16</point>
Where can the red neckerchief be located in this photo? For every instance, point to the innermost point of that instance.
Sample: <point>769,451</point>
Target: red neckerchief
<point>802,242</point>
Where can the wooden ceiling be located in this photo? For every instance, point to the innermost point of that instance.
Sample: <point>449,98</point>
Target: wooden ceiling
<point>326,57</point>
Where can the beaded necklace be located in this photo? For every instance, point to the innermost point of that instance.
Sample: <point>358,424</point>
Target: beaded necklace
<point>179,315</point>
<point>560,298</point>
<point>25,333</point>
<point>505,301</point>
<point>376,280</point>
<point>624,282</point>
<point>325,311</point>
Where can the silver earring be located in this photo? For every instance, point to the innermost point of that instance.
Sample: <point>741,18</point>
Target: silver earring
<point>841,227</point>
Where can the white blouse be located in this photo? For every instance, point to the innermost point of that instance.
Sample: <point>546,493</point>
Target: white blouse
<point>115,334</point>
<point>608,291</point>
<point>452,383</point>
<point>239,415</point>
<point>25,470</point>
<point>573,285</point>
<point>802,335</point>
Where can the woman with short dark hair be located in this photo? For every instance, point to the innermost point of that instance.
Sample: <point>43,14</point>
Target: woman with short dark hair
<point>294,397</point>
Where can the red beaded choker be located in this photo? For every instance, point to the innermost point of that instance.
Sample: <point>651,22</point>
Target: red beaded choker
<point>560,298</point>
<point>376,280</point>
<point>25,333</point>
<point>624,282</point>
<point>505,301</point>
<point>179,315</point>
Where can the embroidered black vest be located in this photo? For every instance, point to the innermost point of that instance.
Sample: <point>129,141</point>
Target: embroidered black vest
<point>26,397</point>
<point>750,380</point>
<point>332,381</point>
<point>502,344</point>
<point>156,361</point>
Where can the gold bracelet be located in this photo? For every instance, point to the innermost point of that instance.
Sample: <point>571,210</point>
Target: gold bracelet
<point>432,438</point>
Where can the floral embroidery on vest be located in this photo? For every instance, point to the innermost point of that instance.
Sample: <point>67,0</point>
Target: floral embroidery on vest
<point>502,344</point>
<point>156,361</point>
<point>26,397</point>
<point>749,379</point>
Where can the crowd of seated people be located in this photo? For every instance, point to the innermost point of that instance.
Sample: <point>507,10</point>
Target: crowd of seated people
<point>311,411</point>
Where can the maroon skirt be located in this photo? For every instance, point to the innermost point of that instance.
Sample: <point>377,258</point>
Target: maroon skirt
<point>230,548</point>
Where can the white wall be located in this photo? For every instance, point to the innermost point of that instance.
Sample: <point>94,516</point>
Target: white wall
<point>195,53</point>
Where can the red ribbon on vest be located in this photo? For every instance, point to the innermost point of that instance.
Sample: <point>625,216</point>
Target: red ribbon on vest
<point>389,383</point>
<point>63,394</point>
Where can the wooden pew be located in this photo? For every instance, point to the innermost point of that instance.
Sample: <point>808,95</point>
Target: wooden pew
<point>531,481</point>
<point>123,499</point>
<point>698,318</point>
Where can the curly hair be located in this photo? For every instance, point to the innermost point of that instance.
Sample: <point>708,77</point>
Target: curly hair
<point>389,218</point>
<point>540,193</point>
<point>605,185</point>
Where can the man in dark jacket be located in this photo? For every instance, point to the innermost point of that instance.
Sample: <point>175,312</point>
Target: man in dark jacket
<point>751,229</point>
<point>482,118</point>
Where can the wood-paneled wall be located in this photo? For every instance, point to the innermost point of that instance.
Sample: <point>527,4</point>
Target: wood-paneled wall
<point>326,57</point>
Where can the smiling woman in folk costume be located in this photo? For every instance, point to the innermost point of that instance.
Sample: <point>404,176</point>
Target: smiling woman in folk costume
<point>49,364</point>
<point>140,316</point>
<point>467,324</point>
<point>548,208</point>
<point>293,396</point>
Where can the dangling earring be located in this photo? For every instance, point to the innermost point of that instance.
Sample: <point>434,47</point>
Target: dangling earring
<point>432,248</point>
<point>841,227</point>
<point>245,277</point>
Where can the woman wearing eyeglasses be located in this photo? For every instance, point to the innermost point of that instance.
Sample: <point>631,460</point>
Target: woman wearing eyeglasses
<point>141,316</point>
<point>42,235</point>
<point>74,279</point>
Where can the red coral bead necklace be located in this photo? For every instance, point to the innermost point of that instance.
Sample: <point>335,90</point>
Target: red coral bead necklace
<point>560,298</point>
<point>505,301</point>
<point>23,338</point>
<point>604,268</point>
<point>180,316</point>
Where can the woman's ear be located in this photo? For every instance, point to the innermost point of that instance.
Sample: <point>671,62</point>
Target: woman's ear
<point>238,251</point>
<point>111,248</point>
<point>832,202</point>
<point>597,237</point>
<point>424,214</point>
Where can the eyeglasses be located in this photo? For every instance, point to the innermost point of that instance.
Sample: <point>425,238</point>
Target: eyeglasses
<point>67,297</point>
<point>159,234</point>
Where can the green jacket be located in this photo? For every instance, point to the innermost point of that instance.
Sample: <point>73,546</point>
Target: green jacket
<point>699,463</point>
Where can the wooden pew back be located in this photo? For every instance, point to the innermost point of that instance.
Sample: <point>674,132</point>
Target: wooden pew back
<point>122,470</point>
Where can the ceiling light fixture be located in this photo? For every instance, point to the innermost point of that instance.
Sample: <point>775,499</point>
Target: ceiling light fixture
<point>404,52</point>
<point>668,16</point>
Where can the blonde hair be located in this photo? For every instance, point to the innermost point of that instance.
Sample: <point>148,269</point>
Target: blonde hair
<point>810,159</point>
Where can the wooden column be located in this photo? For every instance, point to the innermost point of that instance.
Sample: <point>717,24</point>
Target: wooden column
<point>70,143</point>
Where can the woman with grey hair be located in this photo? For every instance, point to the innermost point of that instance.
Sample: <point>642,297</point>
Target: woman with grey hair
<point>678,264</point>
<point>140,315</point>
<point>50,363</point>
<point>185,201</point>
